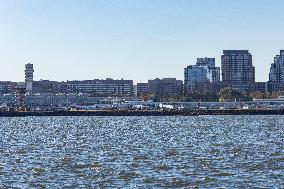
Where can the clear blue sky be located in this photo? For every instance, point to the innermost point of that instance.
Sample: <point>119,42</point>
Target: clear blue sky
<point>133,39</point>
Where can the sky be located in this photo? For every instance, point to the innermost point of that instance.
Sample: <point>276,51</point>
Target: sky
<point>133,39</point>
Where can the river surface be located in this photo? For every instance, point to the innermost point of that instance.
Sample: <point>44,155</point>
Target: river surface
<point>142,152</point>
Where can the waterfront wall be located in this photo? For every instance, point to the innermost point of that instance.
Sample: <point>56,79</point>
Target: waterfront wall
<point>142,113</point>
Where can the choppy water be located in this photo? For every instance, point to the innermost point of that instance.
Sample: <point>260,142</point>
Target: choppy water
<point>142,152</point>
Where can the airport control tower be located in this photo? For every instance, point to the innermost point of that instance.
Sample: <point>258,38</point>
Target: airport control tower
<point>21,95</point>
<point>25,88</point>
<point>29,77</point>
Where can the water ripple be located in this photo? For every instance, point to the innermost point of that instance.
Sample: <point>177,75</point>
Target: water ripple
<point>142,152</point>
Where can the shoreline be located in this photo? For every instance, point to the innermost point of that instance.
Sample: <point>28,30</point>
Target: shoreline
<point>142,113</point>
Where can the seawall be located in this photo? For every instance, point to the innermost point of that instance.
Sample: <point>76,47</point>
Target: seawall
<point>141,113</point>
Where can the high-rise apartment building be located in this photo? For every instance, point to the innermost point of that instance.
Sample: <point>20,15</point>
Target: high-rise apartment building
<point>203,72</point>
<point>210,63</point>
<point>277,68</point>
<point>194,74</point>
<point>237,67</point>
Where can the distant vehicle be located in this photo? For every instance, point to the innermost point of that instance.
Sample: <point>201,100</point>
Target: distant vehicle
<point>166,106</point>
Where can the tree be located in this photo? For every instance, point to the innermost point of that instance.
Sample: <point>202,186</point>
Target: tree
<point>229,94</point>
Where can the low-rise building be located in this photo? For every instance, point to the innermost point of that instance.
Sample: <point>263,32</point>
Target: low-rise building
<point>97,87</point>
<point>260,86</point>
<point>142,89</point>
<point>166,87</point>
<point>56,100</point>
<point>9,99</point>
<point>50,87</point>
<point>274,86</point>
<point>7,87</point>
<point>242,87</point>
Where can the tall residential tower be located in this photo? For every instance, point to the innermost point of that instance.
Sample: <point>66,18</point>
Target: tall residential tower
<point>237,67</point>
<point>277,68</point>
<point>203,72</point>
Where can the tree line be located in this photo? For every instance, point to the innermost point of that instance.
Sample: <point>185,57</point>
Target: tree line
<point>224,95</point>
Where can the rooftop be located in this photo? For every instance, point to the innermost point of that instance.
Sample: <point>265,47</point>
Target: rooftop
<point>235,51</point>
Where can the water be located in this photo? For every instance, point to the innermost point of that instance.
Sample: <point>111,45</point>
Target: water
<point>142,152</point>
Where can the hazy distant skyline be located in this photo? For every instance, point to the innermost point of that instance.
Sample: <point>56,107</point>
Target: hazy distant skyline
<point>139,40</point>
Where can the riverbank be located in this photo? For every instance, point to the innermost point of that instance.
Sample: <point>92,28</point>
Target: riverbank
<point>141,113</point>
